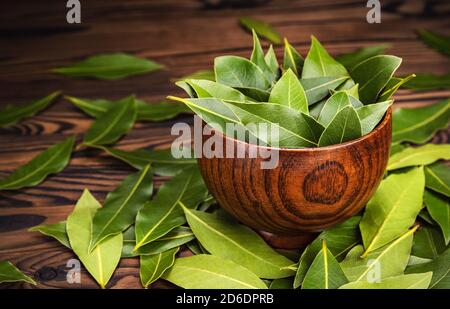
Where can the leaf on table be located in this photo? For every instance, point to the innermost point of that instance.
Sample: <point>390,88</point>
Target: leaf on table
<point>154,266</point>
<point>437,178</point>
<point>438,42</point>
<point>272,62</point>
<point>211,272</point>
<point>393,85</point>
<point>112,124</point>
<point>440,268</point>
<point>259,59</point>
<point>13,114</point>
<point>175,238</point>
<point>289,92</point>
<point>238,243</point>
<point>424,81</point>
<point>50,161</point>
<point>109,67</point>
<point>439,208</point>
<point>319,63</point>
<point>103,260</point>
<point>210,89</point>
<point>332,106</point>
<point>428,243</point>
<point>236,71</point>
<point>57,231</point>
<point>392,209</point>
<point>145,112</point>
<point>317,88</point>
<point>262,28</point>
<point>412,281</point>
<point>370,115</point>
<point>201,74</point>
<point>418,125</point>
<point>324,272</point>
<point>373,74</point>
<point>122,205</point>
<point>164,213</point>
<point>295,129</point>
<point>422,155</point>
<point>340,239</point>
<point>389,260</point>
<point>345,126</point>
<point>292,59</point>
<point>349,60</point>
<point>10,273</point>
<point>162,161</point>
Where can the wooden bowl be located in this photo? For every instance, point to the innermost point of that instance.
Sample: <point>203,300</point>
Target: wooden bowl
<point>311,189</point>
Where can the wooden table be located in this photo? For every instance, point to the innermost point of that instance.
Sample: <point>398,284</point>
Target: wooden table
<point>183,36</point>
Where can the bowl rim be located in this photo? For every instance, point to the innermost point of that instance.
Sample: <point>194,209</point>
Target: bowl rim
<point>381,125</point>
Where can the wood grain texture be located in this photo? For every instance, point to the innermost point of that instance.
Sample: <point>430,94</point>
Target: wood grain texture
<point>185,37</point>
<point>309,190</point>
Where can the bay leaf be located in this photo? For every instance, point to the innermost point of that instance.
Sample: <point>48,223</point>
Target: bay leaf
<point>238,243</point>
<point>352,91</point>
<point>440,268</point>
<point>340,239</point>
<point>439,208</point>
<point>351,59</point>
<point>332,106</point>
<point>153,266</point>
<point>319,63</point>
<point>187,88</point>
<point>422,155</point>
<point>393,85</point>
<point>210,89</point>
<point>254,94</point>
<point>145,112</point>
<point>438,42</point>
<point>295,129</point>
<point>387,261</point>
<point>412,281</point>
<point>281,284</point>
<point>12,114</point>
<point>373,74</point>
<point>122,205</point>
<point>236,71</point>
<point>289,92</point>
<point>211,272</point>
<point>51,161</point>
<point>324,272</point>
<point>258,58</point>
<point>272,62</point>
<point>109,67</point>
<point>10,273</point>
<point>317,88</point>
<point>392,209</point>
<point>292,59</point>
<point>345,126</point>
<point>164,213</point>
<point>111,125</point>
<point>162,161</point>
<point>201,74</point>
<point>56,231</point>
<point>428,243</point>
<point>103,260</point>
<point>175,238</point>
<point>437,178</point>
<point>418,125</point>
<point>370,115</point>
<point>424,81</point>
<point>262,28</point>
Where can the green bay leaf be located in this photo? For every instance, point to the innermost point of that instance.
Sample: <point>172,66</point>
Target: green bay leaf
<point>439,208</point>
<point>56,230</point>
<point>272,62</point>
<point>392,209</point>
<point>332,106</point>
<point>428,243</point>
<point>50,161</point>
<point>103,260</point>
<point>345,126</point>
<point>289,92</point>
<point>370,115</point>
<point>259,59</point>
<point>175,238</point>
<point>318,88</point>
<point>238,243</point>
<point>109,67</point>
<point>292,59</point>
<point>13,114</point>
<point>10,273</point>
<point>393,85</point>
<point>437,178</point>
<point>154,266</point>
<point>211,272</point>
<point>210,89</point>
<point>422,155</point>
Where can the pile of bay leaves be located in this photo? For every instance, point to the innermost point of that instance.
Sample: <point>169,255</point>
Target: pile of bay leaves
<point>400,240</point>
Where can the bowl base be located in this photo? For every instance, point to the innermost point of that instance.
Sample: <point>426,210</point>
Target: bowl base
<point>299,241</point>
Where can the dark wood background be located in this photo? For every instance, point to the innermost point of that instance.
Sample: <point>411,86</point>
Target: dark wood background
<point>185,37</point>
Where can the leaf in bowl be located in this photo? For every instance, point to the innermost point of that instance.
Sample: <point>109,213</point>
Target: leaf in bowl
<point>289,92</point>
